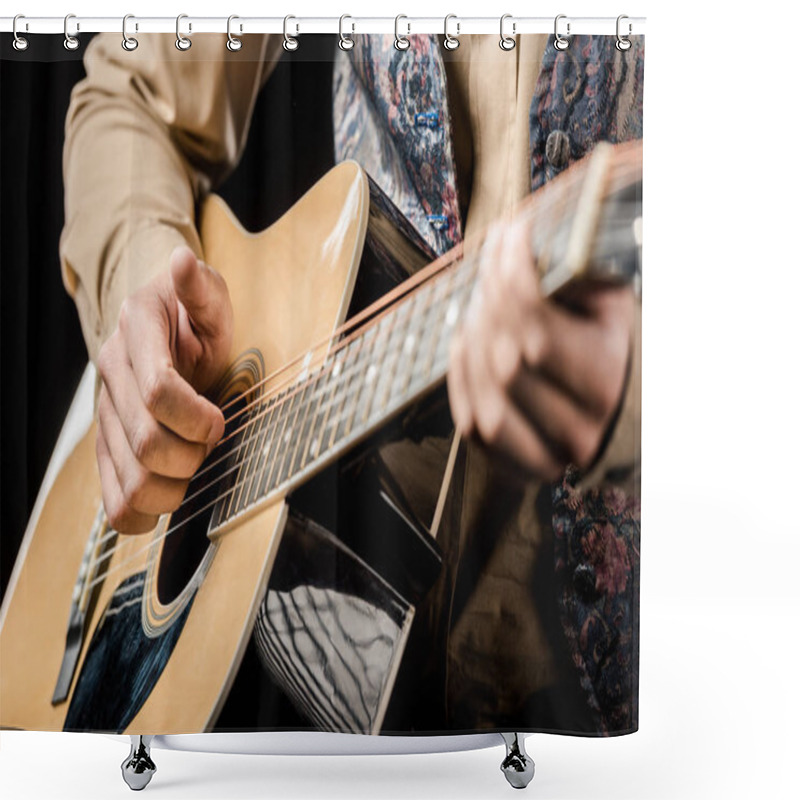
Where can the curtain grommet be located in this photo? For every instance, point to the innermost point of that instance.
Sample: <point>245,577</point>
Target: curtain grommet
<point>401,42</point>
<point>346,42</point>
<point>129,43</point>
<point>182,42</point>
<point>451,42</point>
<point>560,42</point>
<point>290,43</point>
<point>71,43</point>
<point>20,43</point>
<point>507,42</point>
<point>234,44</point>
<point>623,42</point>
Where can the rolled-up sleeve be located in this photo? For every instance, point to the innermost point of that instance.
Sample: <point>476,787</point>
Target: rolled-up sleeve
<point>148,133</point>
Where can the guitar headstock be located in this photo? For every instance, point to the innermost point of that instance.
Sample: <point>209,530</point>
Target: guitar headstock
<point>587,222</point>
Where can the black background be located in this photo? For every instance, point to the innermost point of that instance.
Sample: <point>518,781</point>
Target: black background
<point>42,354</point>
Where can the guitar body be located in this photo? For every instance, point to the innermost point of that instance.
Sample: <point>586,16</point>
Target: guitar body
<point>156,657</point>
<point>295,530</point>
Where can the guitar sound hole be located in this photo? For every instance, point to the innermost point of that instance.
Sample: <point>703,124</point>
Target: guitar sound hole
<point>187,541</point>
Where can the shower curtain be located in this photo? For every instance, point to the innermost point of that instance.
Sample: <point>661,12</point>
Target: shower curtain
<point>357,448</point>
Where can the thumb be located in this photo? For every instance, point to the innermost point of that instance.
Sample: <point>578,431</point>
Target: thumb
<point>200,290</point>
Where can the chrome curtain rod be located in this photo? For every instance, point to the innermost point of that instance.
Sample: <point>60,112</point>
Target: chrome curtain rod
<point>300,25</point>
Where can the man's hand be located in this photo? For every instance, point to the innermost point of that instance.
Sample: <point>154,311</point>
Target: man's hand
<point>536,381</point>
<point>155,428</point>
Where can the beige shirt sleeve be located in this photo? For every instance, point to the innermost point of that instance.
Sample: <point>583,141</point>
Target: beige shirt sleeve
<point>148,133</point>
<point>619,461</point>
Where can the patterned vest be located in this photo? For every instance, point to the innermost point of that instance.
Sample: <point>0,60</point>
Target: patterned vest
<point>391,115</point>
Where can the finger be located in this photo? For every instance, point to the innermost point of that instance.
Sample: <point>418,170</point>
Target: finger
<point>155,447</point>
<point>587,358</point>
<point>200,290</point>
<point>456,391</point>
<point>120,516</point>
<point>167,396</point>
<point>143,491</point>
<point>504,430</point>
<point>512,288</point>
<point>566,427</point>
<point>496,421</point>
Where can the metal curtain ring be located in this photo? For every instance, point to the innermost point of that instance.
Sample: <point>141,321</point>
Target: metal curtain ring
<point>289,42</point>
<point>560,42</point>
<point>181,42</point>
<point>623,42</point>
<point>451,42</point>
<point>507,42</point>
<point>70,42</point>
<point>20,43</point>
<point>346,42</point>
<point>233,44</point>
<point>128,42</point>
<point>401,42</point>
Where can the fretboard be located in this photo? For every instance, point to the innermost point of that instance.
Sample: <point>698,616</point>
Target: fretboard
<point>365,380</point>
<point>401,352</point>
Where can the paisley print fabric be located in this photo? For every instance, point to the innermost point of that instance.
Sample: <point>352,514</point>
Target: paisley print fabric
<point>596,542</point>
<point>391,115</point>
<point>588,93</point>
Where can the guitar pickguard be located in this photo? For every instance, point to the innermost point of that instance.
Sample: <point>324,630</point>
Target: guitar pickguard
<point>122,663</point>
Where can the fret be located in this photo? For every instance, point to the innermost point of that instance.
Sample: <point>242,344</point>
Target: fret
<point>427,317</point>
<point>312,413</point>
<point>244,454</point>
<point>290,434</point>
<point>407,352</point>
<point>447,313</point>
<point>267,452</point>
<point>338,384</point>
<point>377,367</point>
<point>459,298</point>
<point>400,314</point>
<point>321,412</point>
<point>229,482</point>
<point>301,426</point>
<point>280,441</point>
<point>340,399</point>
<point>259,453</point>
<point>363,379</point>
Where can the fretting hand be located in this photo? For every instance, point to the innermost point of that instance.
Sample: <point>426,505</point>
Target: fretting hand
<point>155,427</point>
<point>536,381</point>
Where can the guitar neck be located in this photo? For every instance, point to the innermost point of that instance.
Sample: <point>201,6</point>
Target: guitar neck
<point>584,225</point>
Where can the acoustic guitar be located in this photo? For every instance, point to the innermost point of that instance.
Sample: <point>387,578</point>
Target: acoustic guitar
<point>287,528</point>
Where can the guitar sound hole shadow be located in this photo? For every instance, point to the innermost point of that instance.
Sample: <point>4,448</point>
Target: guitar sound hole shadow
<point>186,540</point>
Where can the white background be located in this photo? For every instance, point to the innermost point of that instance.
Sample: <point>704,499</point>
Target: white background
<point>720,534</point>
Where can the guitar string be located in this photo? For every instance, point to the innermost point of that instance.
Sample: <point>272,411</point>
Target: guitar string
<point>620,169</point>
<point>271,402</point>
<point>228,493</point>
<point>168,531</point>
<point>527,211</point>
<point>274,408</point>
<point>156,541</point>
<point>336,397</point>
<point>376,310</point>
<point>564,195</point>
<point>153,543</point>
<point>440,265</point>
